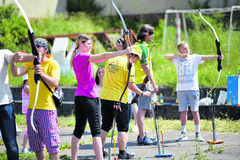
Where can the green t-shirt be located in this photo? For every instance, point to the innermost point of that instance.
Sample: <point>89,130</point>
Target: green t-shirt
<point>145,59</point>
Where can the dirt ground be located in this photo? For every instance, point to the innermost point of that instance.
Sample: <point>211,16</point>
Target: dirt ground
<point>189,149</point>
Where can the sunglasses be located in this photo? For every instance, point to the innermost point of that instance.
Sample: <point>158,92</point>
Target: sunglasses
<point>100,72</point>
<point>41,45</point>
<point>134,55</point>
<point>150,32</point>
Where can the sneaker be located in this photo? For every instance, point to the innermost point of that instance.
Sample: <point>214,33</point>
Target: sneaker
<point>125,156</point>
<point>135,129</point>
<point>182,137</point>
<point>145,141</point>
<point>24,151</point>
<point>105,154</point>
<point>199,138</point>
<point>130,152</point>
<point>149,137</point>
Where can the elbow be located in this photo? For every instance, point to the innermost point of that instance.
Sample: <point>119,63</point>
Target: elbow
<point>56,83</point>
<point>14,74</point>
<point>168,58</point>
<point>130,85</point>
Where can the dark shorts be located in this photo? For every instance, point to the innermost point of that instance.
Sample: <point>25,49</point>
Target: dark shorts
<point>87,109</point>
<point>108,113</point>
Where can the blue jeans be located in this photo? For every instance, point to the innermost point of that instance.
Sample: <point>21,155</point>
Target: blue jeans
<point>8,129</point>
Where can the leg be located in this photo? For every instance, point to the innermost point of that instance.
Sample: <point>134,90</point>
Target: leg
<point>122,140</point>
<point>54,156</point>
<point>25,138</point>
<point>97,147</point>
<point>93,110</point>
<point>103,136</point>
<point>40,155</point>
<point>183,108</point>
<point>74,147</point>
<point>196,117</point>
<point>49,134</point>
<point>8,129</point>
<point>135,110</point>
<point>80,124</point>
<point>141,122</point>
<point>184,118</point>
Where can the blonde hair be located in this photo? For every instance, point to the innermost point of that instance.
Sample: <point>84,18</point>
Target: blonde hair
<point>181,44</point>
<point>81,37</point>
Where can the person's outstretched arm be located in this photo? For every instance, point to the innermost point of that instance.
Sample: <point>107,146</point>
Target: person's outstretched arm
<point>170,57</point>
<point>206,57</point>
<point>100,58</point>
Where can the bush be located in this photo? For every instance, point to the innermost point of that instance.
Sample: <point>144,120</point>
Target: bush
<point>12,27</point>
<point>88,6</point>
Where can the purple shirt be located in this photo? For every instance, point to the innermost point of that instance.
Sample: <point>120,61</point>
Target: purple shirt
<point>85,77</point>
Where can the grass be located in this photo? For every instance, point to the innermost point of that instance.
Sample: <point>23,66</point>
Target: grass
<point>82,23</point>
<point>222,125</point>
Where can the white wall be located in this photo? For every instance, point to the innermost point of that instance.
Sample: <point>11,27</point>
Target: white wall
<point>43,8</point>
<point>131,7</point>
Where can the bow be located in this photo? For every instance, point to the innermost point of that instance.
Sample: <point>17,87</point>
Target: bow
<point>126,31</point>
<point>217,42</point>
<point>127,38</point>
<point>37,77</point>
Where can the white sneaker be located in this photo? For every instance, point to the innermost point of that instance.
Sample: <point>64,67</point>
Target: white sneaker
<point>182,137</point>
<point>135,129</point>
<point>199,138</point>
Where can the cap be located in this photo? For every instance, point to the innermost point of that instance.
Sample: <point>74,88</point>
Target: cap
<point>137,50</point>
<point>25,77</point>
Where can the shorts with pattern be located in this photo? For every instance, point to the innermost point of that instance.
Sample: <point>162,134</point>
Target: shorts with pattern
<point>46,124</point>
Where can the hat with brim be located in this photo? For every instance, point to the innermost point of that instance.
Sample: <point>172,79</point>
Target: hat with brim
<point>137,50</point>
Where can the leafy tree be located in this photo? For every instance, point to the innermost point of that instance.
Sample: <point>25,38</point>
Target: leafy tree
<point>195,4</point>
<point>88,6</point>
<point>12,27</point>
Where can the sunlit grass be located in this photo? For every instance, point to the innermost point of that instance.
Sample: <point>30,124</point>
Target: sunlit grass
<point>222,125</point>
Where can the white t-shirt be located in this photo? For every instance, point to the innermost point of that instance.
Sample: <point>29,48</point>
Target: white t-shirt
<point>5,92</point>
<point>187,72</point>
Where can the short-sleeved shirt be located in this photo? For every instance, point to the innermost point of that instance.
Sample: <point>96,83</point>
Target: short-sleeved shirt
<point>187,72</point>
<point>45,100</point>
<point>85,76</point>
<point>115,79</point>
<point>145,59</point>
<point>5,92</point>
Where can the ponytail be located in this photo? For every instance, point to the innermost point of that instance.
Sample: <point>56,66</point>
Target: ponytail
<point>81,37</point>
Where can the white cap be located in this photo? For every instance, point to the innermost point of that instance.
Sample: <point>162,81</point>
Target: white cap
<point>25,77</point>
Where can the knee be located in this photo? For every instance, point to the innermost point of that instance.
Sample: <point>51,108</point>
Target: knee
<point>78,133</point>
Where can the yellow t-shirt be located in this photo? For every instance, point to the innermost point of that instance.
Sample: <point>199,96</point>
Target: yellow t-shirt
<point>145,59</point>
<point>45,100</point>
<point>115,79</point>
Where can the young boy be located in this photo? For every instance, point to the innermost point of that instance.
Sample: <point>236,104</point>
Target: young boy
<point>187,85</point>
